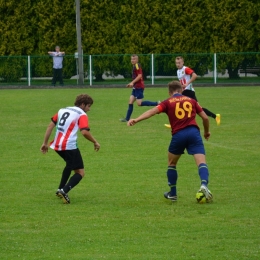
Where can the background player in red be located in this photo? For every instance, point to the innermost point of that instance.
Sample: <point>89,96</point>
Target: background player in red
<point>67,121</point>
<point>186,76</point>
<point>138,89</point>
<point>181,111</point>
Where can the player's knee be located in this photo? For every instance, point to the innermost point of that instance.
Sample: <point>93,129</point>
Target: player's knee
<point>139,103</point>
<point>170,164</point>
<point>81,172</point>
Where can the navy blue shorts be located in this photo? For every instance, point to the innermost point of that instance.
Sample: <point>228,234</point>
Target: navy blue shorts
<point>188,138</point>
<point>138,93</point>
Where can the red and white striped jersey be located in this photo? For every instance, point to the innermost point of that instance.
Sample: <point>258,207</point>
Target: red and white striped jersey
<point>183,75</point>
<point>68,120</point>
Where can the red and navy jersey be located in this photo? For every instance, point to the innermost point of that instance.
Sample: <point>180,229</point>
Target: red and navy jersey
<point>181,111</point>
<point>137,70</point>
<point>68,120</point>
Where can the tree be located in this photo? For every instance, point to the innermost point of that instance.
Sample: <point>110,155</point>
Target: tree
<point>143,27</point>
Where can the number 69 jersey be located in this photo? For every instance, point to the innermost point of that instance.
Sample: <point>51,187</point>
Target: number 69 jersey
<point>181,111</point>
<point>68,120</point>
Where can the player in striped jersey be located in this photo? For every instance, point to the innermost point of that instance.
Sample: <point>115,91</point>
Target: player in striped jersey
<point>68,121</point>
<point>186,76</point>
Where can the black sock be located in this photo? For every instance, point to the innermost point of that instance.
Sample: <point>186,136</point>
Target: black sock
<point>74,180</point>
<point>65,176</point>
<point>209,113</point>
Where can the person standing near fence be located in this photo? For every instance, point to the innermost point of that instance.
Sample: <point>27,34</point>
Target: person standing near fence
<point>57,65</point>
<point>186,76</point>
<point>138,89</point>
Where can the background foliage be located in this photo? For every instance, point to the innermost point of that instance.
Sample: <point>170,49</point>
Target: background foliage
<point>145,26</point>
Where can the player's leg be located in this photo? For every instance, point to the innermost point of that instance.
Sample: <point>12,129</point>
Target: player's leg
<point>130,107</point>
<point>139,99</point>
<point>204,175</point>
<point>54,79</point>
<point>74,180</point>
<point>176,149</point>
<point>217,117</point>
<point>60,77</point>
<point>191,94</point>
<point>65,176</point>
<point>78,166</point>
<point>195,147</point>
<point>202,168</point>
<point>66,171</point>
<point>172,176</point>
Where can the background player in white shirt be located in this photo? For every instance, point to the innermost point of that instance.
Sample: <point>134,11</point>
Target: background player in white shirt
<point>67,121</point>
<point>186,76</point>
<point>57,56</point>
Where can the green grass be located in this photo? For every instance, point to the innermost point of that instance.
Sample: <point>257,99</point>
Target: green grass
<point>118,210</point>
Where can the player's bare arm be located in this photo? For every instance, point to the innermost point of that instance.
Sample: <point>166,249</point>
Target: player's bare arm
<point>89,137</point>
<point>192,79</point>
<point>205,121</point>
<point>131,84</point>
<point>44,147</point>
<point>144,116</point>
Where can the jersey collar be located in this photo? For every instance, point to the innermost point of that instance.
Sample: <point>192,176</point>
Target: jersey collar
<point>177,95</point>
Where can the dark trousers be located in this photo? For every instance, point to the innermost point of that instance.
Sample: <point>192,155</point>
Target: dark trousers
<point>57,76</point>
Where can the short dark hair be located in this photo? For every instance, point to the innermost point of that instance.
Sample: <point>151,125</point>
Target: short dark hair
<point>83,99</point>
<point>179,58</point>
<point>174,86</point>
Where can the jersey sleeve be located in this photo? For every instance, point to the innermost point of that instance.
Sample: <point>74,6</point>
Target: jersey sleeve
<point>138,69</point>
<point>83,123</point>
<point>198,108</point>
<point>162,106</point>
<point>188,71</point>
<point>54,119</point>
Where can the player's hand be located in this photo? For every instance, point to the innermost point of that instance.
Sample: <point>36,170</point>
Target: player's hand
<point>207,136</point>
<point>96,146</point>
<point>131,122</point>
<point>44,148</point>
<point>130,85</point>
<point>184,86</point>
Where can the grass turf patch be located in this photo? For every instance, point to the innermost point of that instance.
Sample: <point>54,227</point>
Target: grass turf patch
<point>118,210</point>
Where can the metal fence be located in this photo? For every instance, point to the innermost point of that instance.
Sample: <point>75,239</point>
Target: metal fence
<point>214,68</point>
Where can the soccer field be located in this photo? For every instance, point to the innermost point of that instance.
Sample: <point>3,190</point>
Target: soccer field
<point>118,210</point>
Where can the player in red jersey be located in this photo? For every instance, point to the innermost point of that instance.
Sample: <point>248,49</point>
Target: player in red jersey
<point>67,121</point>
<point>181,111</point>
<point>138,89</point>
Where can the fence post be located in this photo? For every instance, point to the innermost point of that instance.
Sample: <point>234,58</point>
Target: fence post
<point>215,68</point>
<point>90,70</point>
<point>29,70</point>
<point>152,69</point>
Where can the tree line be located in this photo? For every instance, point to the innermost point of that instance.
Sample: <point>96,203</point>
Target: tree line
<point>30,27</point>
